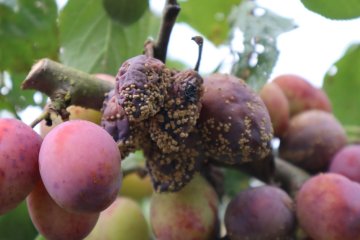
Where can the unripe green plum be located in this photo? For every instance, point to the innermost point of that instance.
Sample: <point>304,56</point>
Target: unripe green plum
<point>122,220</point>
<point>312,139</point>
<point>190,213</point>
<point>328,207</point>
<point>136,187</point>
<point>301,94</point>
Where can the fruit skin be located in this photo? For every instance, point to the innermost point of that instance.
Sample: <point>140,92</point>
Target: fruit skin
<point>124,11</point>
<point>190,213</point>
<point>301,94</point>
<point>347,162</point>
<point>328,207</point>
<point>312,139</point>
<point>19,172</point>
<point>80,166</point>
<point>123,219</point>
<point>278,107</point>
<point>54,222</point>
<point>234,123</point>
<point>264,212</point>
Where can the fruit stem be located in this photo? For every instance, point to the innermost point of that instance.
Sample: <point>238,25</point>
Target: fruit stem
<point>43,115</point>
<point>291,178</point>
<point>73,86</point>
<point>200,42</point>
<point>170,14</point>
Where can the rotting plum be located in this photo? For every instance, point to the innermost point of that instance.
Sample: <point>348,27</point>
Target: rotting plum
<point>80,166</point>
<point>347,162</point>
<point>123,219</point>
<point>301,94</point>
<point>264,212</point>
<point>190,213</point>
<point>312,139</point>
<point>234,123</point>
<point>278,107</point>
<point>19,170</point>
<point>328,207</point>
<point>54,222</point>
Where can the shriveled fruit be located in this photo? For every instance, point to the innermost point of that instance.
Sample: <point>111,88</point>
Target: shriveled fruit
<point>123,219</point>
<point>312,139</point>
<point>19,170</point>
<point>264,212</point>
<point>328,207</point>
<point>234,123</point>
<point>125,12</point>
<point>54,222</point>
<point>301,94</point>
<point>190,213</point>
<point>347,162</point>
<point>278,107</point>
<point>80,166</point>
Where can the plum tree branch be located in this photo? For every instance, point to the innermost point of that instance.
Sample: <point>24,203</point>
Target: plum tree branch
<point>71,86</point>
<point>170,14</point>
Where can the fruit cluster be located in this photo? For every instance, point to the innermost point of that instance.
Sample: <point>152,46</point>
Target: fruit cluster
<point>186,125</point>
<point>182,121</point>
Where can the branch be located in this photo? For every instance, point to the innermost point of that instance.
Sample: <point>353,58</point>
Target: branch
<point>290,177</point>
<point>171,12</point>
<point>73,86</point>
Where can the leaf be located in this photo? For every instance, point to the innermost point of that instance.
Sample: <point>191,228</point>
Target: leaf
<point>11,222</point>
<point>28,31</point>
<point>333,9</point>
<point>208,17</point>
<point>94,43</point>
<point>343,86</point>
<point>260,28</point>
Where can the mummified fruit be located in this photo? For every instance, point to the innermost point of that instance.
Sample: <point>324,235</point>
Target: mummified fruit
<point>172,125</point>
<point>234,123</point>
<point>170,172</point>
<point>141,85</point>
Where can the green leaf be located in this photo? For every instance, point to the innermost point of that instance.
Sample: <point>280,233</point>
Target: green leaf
<point>208,17</point>
<point>94,43</point>
<point>334,9</point>
<point>260,28</point>
<point>28,31</point>
<point>235,181</point>
<point>343,86</point>
<point>17,225</point>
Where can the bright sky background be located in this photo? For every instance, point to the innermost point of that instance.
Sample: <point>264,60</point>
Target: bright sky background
<point>309,50</point>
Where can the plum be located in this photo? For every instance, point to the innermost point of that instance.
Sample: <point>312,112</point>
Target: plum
<point>347,162</point>
<point>301,94</point>
<point>312,139</point>
<point>264,212</point>
<point>328,207</point>
<point>80,166</point>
